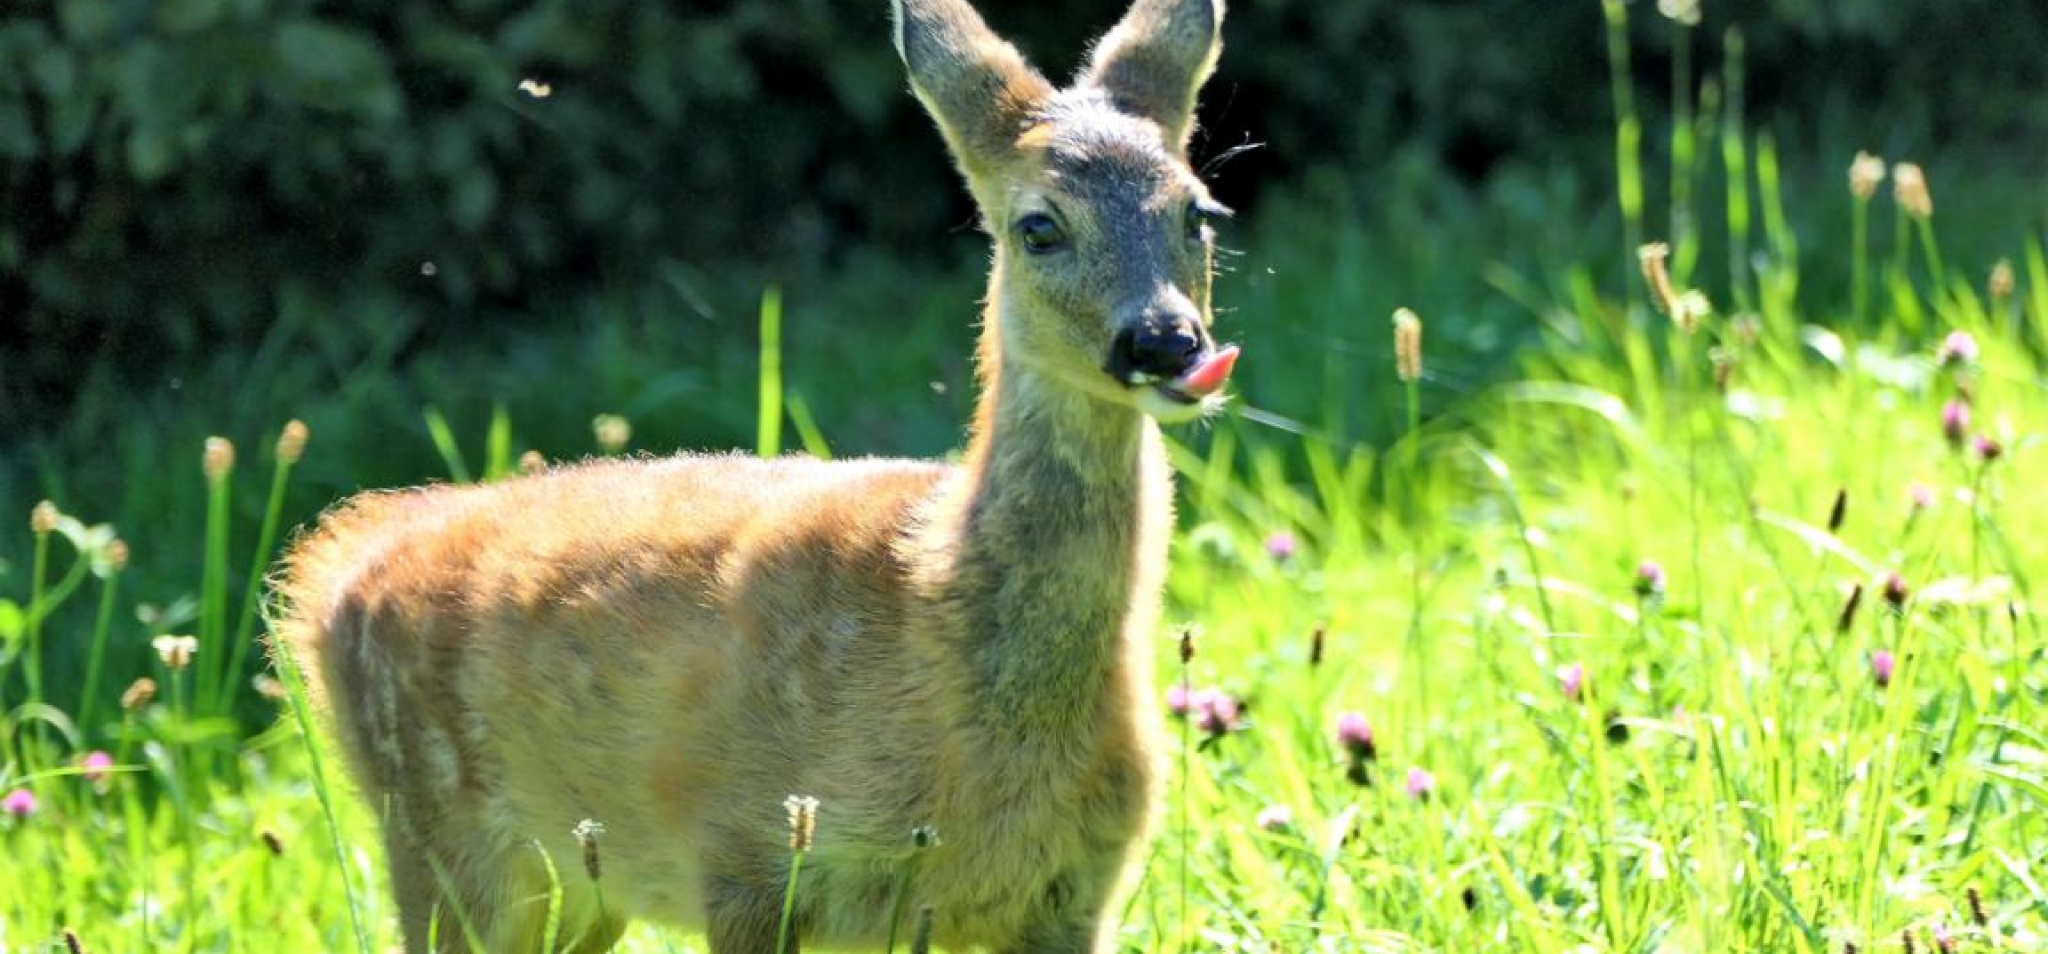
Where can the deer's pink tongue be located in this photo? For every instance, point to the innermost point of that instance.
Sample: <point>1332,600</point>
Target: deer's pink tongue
<point>1207,378</point>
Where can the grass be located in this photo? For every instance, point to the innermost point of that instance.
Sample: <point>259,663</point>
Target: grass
<point>1668,641</point>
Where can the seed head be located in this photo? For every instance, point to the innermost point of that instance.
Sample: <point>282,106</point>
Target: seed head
<point>586,832</point>
<point>1724,361</point>
<point>1840,511</point>
<point>1896,590</point>
<point>1655,258</point>
<point>1407,345</point>
<point>115,556</point>
<point>1354,736</point>
<point>1187,645</point>
<point>175,651</point>
<point>20,803</point>
<point>1692,307</point>
<point>803,821</point>
<point>72,945</point>
<point>1617,727</point>
<point>532,462</point>
<point>1275,818</point>
<point>1866,173</point>
<point>1315,647</point>
<point>43,517</point>
<point>271,841</point>
<point>219,459</point>
<point>1906,942</point>
<point>1571,680</point>
<point>291,443</point>
<point>1987,449</point>
<point>1977,908</point>
<point>1847,619</point>
<point>1909,190</point>
<point>1882,665</point>
<point>613,432</point>
<point>1955,421</point>
<point>1421,784</point>
<point>2000,284</point>
<point>138,694</point>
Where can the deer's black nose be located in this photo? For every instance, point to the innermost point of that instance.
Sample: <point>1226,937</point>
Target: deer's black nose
<point>1154,350</point>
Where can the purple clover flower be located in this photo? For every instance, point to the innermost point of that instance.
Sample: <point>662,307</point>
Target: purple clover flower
<point>1354,736</point>
<point>1282,546</point>
<point>1571,680</point>
<point>1421,784</point>
<point>1955,421</point>
<point>1649,579</point>
<point>1958,348</point>
<point>96,766</point>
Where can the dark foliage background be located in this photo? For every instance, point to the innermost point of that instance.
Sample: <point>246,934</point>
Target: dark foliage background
<point>177,174</point>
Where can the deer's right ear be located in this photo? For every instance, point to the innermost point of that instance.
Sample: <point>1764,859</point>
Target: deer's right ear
<point>976,86</point>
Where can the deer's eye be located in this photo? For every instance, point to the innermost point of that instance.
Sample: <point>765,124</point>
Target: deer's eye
<point>1203,214</point>
<point>1041,233</point>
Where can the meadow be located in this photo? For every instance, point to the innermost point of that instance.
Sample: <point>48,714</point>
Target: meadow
<point>1665,620</point>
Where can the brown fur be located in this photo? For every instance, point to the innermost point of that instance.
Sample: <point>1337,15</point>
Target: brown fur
<point>670,647</point>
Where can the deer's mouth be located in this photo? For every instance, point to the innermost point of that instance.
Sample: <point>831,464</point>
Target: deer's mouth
<point>1194,392</point>
<point>1199,382</point>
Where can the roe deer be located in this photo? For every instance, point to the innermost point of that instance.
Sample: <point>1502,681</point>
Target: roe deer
<point>671,647</point>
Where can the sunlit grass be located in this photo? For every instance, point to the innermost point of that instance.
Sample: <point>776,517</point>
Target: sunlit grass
<point>1668,638</point>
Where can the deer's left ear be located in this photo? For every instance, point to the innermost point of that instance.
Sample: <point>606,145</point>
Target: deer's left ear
<point>1157,58</point>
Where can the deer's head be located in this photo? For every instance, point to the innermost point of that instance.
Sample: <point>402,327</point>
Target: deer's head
<point>1104,243</point>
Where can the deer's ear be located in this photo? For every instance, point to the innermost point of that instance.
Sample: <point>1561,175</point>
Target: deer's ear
<point>1155,60</point>
<point>976,86</point>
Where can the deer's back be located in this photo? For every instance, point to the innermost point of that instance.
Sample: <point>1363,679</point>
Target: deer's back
<point>656,645</point>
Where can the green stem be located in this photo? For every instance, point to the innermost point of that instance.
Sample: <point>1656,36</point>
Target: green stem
<point>39,574</point>
<point>782,938</point>
<point>95,657</point>
<point>1735,162</point>
<point>252,593</point>
<point>1412,393</point>
<point>1684,250</point>
<point>213,594</point>
<point>1628,134</point>
<point>1859,254</point>
<point>1935,272</point>
<point>302,714</point>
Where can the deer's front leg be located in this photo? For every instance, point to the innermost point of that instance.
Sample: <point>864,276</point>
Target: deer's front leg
<point>1069,920</point>
<point>743,918</point>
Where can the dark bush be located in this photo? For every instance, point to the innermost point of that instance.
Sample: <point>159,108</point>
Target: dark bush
<point>173,170</point>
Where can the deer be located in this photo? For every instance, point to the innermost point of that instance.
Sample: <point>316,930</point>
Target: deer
<point>672,646</point>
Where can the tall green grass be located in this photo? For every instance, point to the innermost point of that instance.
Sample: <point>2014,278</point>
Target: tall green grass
<point>1817,723</point>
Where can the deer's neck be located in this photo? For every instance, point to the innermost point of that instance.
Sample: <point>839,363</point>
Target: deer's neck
<point>1059,536</point>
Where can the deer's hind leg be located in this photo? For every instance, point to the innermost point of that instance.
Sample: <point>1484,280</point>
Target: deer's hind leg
<point>466,878</point>
<point>494,901</point>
